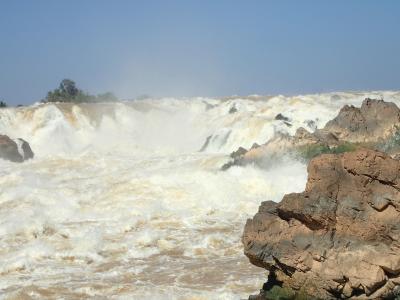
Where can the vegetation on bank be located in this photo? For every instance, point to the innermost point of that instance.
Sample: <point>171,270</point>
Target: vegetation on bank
<point>3,104</point>
<point>389,145</point>
<point>68,92</point>
<point>285,293</point>
<point>308,152</point>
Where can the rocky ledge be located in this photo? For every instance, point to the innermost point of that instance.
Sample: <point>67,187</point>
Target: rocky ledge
<point>376,124</point>
<point>338,239</point>
<point>15,151</point>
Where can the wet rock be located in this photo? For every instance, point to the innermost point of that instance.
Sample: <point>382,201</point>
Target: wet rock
<point>227,165</point>
<point>311,124</point>
<point>303,135</point>
<point>339,238</point>
<point>374,125</point>
<point>26,149</point>
<point>233,109</point>
<point>281,117</point>
<point>374,120</point>
<point>9,149</point>
<point>239,152</point>
<point>206,143</point>
<point>254,146</point>
<point>237,158</point>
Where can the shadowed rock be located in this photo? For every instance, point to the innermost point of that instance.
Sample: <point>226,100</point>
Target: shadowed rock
<point>26,149</point>
<point>239,152</point>
<point>9,149</point>
<point>233,109</point>
<point>206,143</point>
<point>340,238</point>
<point>281,117</point>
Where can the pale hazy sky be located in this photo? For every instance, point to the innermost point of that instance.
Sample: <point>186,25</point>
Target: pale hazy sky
<point>198,48</point>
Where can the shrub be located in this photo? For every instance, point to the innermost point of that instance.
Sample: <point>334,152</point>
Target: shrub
<point>68,92</point>
<point>344,147</point>
<point>286,293</point>
<point>308,152</point>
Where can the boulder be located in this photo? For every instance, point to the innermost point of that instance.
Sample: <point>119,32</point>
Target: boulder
<point>9,149</point>
<point>239,152</point>
<point>375,125</point>
<point>27,152</point>
<point>340,238</point>
<point>15,151</point>
<point>281,117</point>
<point>374,120</point>
<point>233,109</point>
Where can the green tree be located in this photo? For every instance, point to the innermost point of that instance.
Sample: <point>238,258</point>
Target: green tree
<point>3,104</point>
<point>68,88</point>
<point>68,92</point>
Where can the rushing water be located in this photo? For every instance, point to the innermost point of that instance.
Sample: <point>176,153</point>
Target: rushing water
<point>119,203</point>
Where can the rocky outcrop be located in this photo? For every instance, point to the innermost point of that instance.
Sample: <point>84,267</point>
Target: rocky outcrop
<point>233,109</point>
<point>372,125</point>
<point>284,119</point>
<point>374,120</point>
<point>15,151</point>
<point>281,117</point>
<point>27,152</point>
<point>340,238</point>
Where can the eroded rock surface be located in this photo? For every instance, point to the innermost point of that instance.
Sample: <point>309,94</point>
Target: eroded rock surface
<point>14,151</point>
<point>374,120</point>
<point>372,125</point>
<point>340,237</point>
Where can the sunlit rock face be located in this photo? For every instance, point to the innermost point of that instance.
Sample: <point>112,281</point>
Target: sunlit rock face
<point>373,121</point>
<point>338,238</point>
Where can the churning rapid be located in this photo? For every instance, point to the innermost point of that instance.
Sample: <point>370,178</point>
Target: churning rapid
<point>127,200</point>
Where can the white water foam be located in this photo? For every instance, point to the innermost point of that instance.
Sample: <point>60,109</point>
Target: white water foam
<point>118,202</point>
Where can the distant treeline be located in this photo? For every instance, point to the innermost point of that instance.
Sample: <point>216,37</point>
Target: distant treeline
<point>68,92</point>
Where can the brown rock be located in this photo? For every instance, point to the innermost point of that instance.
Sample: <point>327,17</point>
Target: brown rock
<point>9,149</point>
<point>374,120</point>
<point>341,236</point>
<point>372,125</point>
